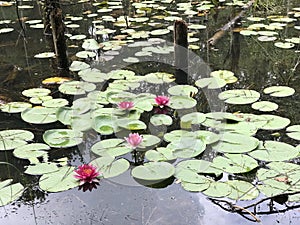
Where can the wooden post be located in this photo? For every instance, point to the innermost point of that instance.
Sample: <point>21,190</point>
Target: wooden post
<point>54,18</point>
<point>181,51</point>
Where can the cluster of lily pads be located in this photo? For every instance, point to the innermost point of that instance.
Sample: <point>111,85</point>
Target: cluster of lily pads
<point>120,110</point>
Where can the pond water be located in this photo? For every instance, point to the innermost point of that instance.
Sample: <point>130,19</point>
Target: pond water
<point>122,200</point>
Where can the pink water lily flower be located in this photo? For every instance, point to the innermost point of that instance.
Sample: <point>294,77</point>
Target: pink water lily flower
<point>86,174</point>
<point>162,100</point>
<point>134,140</point>
<point>125,105</point>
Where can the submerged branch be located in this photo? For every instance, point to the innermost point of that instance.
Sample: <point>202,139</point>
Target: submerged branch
<point>221,32</point>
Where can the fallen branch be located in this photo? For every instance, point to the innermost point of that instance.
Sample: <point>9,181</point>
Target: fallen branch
<point>220,33</point>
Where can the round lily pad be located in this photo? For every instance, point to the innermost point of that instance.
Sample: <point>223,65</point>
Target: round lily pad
<point>41,115</point>
<point>218,189</point>
<point>90,45</point>
<point>293,132</point>
<point>159,78</point>
<point>274,122</point>
<point>153,171</point>
<point>32,150</point>
<point>62,138</point>
<point>161,119</point>
<point>78,65</point>
<point>55,103</point>
<point>45,55</point>
<point>76,87</point>
<point>182,102</point>
<point>285,45</point>
<point>226,75</point>
<point>279,91</point>
<point>10,139</point>
<point>41,168</point>
<point>160,154</point>
<point>187,147</point>
<point>234,163</point>
<point>15,107</point>
<point>274,151</point>
<point>60,180</point>
<point>235,143</point>
<point>111,147</point>
<point>264,106</point>
<point>190,119</point>
<point>85,54</point>
<point>109,167</point>
<point>182,90</point>
<point>159,32</point>
<point>36,92</point>
<point>239,96</point>
<point>210,83</point>
<point>242,190</point>
<point>10,192</point>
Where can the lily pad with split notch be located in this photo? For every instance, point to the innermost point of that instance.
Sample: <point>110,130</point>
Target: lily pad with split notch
<point>40,115</point>
<point>61,180</point>
<point>182,90</point>
<point>76,87</point>
<point>242,190</point>
<point>15,107</point>
<point>153,172</point>
<point>264,106</point>
<point>10,192</point>
<point>279,91</point>
<point>239,96</point>
<point>274,151</point>
<point>182,102</point>
<point>109,167</point>
<point>62,138</point>
<point>11,139</point>
<point>293,132</point>
<point>187,121</point>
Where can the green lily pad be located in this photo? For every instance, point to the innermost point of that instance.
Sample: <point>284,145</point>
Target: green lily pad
<point>85,54</point>
<point>182,90</point>
<point>187,147</point>
<point>41,168</point>
<point>11,139</point>
<point>112,147</point>
<point>160,154</point>
<point>239,96</point>
<point>226,75</point>
<point>105,124</point>
<point>207,136</point>
<point>293,132</point>
<point>36,92</point>
<point>248,32</point>
<point>274,151</point>
<point>161,119</point>
<point>121,74</point>
<point>33,150</point>
<point>109,167</point>
<point>210,83</point>
<point>264,106</point>
<point>242,190</point>
<point>15,107</point>
<point>62,138</point>
<point>92,75</point>
<point>218,190</point>
<point>78,65</point>
<point>279,91</point>
<point>284,45</point>
<point>153,171</point>
<point>235,143</point>
<point>76,87</point>
<point>10,192</point>
<point>182,102</point>
<point>159,78</point>
<point>55,103</point>
<point>274,122</point>
<point>131,124</point>
<point>159,32</point>
<point>60,180</point>
<point>190,119</point>
<point>41,115</point>
<point>90,45</point>
<point>195,187</point>
<point>234,163</point>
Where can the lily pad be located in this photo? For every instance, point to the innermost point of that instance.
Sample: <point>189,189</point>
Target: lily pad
<point>264,106</point>
<point>235,143</point>
<point>274,151</point>
<point>10,192</point>
<point>274,122</point>
<point>45,55</point>
<point>242,190</point>
<point>159,78</point>
<point>76,87</point>
<point>182,102</point>
<point>161,119</point>
<point>41,115</point>
<point>210,83</point>
<point>234,163</point>
<point>218,190</point>
<point>239,96</point>
<point>195,118</point>
<point>11,139</point>
<point>112,147</point>
<point>284,45</point>
<point>62,138</point>
<point>36,92</point>
<point>293,132</point>
<point>153,171</point>
<point>33,150</point>
<point>225,75</point>
<point>41,168</point>
<point>55,103</point>
<point>160,154</point>
<point>187,147</point>
<point>15,107</point>
<point>78,65</point>
<point>279,91</point>
<point>182,90</point>
<point>60,180</point>
<point>109,167</point>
